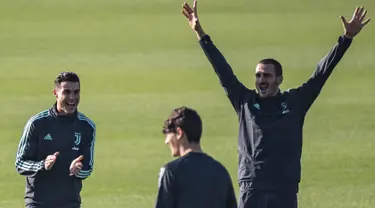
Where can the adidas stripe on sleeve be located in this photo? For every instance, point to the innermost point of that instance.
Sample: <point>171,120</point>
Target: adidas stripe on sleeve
<point>27,148</point>
<point>88,149</point>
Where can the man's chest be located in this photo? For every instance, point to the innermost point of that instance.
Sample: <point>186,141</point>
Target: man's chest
<point>263,116</point>
<point>64,138</point>
<point>272,128</point>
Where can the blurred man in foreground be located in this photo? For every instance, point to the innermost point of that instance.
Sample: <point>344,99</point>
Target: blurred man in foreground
<point>194,179</point>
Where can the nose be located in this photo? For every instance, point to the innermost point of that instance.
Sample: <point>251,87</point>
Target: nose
<point>72,96</point>
<point>262,78</point>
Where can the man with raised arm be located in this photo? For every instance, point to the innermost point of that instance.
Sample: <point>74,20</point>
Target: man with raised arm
<point>270,121</point>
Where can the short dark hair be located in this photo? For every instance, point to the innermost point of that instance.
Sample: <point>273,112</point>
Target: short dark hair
<point>188,120</point>
<point>276,65</point>
<point>66,77</point>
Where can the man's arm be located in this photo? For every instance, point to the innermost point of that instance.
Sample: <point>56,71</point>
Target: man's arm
<point>310,90</point>
<point>165,196</point>
<point>26,163</point>
<point>88,154</point>
<point>233,87</point>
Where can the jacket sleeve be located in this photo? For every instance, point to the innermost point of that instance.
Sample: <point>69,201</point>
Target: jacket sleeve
<point>26,163</point>
<point>88,147</point>
<point>165,195</point>
<point>309,91</point>
<point>232,86</point>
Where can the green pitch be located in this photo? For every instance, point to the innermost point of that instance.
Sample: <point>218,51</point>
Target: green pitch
<point>139,59</point>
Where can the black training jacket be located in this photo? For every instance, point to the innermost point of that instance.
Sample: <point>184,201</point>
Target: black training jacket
<point>195,180</point>
<point>270,130</point>
<point>44,134</point>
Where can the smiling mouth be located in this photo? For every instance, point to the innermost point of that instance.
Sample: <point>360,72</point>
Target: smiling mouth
<point>263,88</point>
<point>71,104</point>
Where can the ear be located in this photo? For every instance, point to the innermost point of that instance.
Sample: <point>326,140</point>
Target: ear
<point>54,91</point>
<point>179,133</point>
<point>279,80</point>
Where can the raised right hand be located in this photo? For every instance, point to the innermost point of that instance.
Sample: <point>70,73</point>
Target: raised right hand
<point>356,24</point>
<point>192,16</point>
<point>50,161</point>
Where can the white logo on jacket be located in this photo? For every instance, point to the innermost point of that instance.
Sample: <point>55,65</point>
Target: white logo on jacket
<point>77,141</point>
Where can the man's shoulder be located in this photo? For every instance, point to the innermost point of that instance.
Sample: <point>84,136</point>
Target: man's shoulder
<point>172,166</point>
<point>166,171</point>
<point>290,91</point>
<point>249,96</point>
<point>219,166</point>
<point>192,160</point>
<point>42,115</point>
<point>81,116</point>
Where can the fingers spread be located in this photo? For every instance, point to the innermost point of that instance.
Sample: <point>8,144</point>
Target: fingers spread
<point>195,6</point>
<point>360,12</point>
<point>185,13</point>
<point>363,16</point>
<point>365,23</point>
<point>343,20</point>
<point>355,11</point>
<point>187,7</point>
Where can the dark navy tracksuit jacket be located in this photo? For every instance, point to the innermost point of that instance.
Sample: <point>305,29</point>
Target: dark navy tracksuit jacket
<point>44,134</point>
<point>270,130</point>
<point>195,180</point>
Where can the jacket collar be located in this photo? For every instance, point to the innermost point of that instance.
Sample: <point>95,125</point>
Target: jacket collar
<point>57,115</point>
<point>276,98</point>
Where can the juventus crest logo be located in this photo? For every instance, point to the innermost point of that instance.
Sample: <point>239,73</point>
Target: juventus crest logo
<point>78,138</point>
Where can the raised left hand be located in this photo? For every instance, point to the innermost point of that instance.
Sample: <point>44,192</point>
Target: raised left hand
<point>76,166</point>
<point>355,25</point>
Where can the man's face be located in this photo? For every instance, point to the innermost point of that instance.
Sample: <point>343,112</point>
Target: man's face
<point>67,97</point>
<point>174,140</point>
<point>267,84</point>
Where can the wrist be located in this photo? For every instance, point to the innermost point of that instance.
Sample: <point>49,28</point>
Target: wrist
<point>200,33</point>
<point>348,35</point>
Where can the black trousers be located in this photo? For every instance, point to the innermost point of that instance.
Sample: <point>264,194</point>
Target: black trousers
<point>254,198</point>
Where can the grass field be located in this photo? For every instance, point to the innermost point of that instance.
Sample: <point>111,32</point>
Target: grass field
<point>139,59</point>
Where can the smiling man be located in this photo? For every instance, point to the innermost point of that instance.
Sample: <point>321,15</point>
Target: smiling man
<point>270,121</point>
<point>194,179</point>
<point>56,149</point>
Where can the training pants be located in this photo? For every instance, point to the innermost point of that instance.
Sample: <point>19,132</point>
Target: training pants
<point>254,198</point>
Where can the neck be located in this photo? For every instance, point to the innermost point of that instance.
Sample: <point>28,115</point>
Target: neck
<point>271,96</point>
<point>60,111</point>
<point>191,147</point>
<point>276,92</point>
